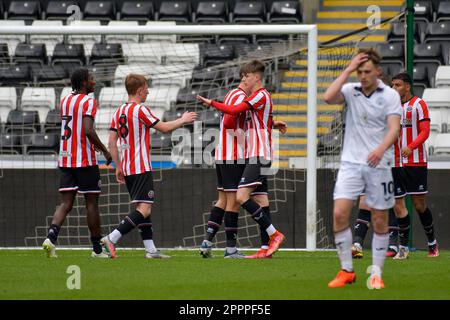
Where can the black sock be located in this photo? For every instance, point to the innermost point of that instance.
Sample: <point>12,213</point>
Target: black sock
<point>146,229</point>
<point>264,235</point>
<point>257,213</point>
<point>362,226</point>
<point>214,222</point>
<point>403,230</point>
<point>130,222</point>
<point>393,228</point>
<point>96,246</point>
<point>53,232</point>
<point>231,228</point>
<point>427,222</point>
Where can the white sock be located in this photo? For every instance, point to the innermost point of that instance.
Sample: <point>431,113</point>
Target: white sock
<point>115,236</point>
<point>231,249</point>
<point>209,243</point>
<point>271,230</point>
<point>343,241</point>
<point>264,247</point>
<point>380,243</point>
<point>150,246</point>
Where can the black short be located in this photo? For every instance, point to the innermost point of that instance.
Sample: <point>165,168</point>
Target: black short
<point>140,187</point>
<point>228,176</point>
<point>416,179</point>
<point>83,180</point>
<point>253,177</point>
<point>399,182</point>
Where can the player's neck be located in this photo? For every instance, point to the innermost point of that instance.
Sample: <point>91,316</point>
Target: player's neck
<point>369,90</point>
<point>134,99</point>
<point>256,87</point>
<point>82,91</point>
<point>407,97</point>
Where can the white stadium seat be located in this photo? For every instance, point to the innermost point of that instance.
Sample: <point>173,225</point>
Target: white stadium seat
<point>65,91</point>
<point>182,52</point>
<point>40,99</point>
<point>86,40</point>
<point>173,74</point>
<point>112,97</point>
<point>143,52</point>
<point>437,97</point>
<point>442,144</point>
<point>103,134</point>
<point>12,39</point>
<point>123,70</point>
<point>8,101</point>
<point>117,38</point>
<point>436,120</point>
<point>103,117</point>
<point>49,40</point>
<point>443,77</point>
<point>163,38</point>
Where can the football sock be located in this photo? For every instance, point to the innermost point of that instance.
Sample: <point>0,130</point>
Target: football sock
<point>146,231</point>
<point>380,243</point>
<point>231,228</point>
<point>403,230</point>
<point>427,222</point>
<point>214,222</point>
<point>53,232</point>
<point>130,222</point>
<point>362,225</point>
<point>343,241</point>
<point>96,246</point>
<point>258,215</point>
<point>150,246</point>
<point>263,233</point>
<point>393,229</point>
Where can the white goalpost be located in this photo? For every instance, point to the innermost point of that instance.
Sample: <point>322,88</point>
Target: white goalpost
<point>309,31</point>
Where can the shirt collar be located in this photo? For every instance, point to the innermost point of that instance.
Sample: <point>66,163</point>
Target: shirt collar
<point>380,87</point>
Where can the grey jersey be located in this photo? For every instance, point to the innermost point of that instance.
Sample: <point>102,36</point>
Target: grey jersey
<point>366,122</point>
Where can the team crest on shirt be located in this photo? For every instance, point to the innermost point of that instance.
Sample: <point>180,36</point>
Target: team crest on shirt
<point>151,194</point>
<point>409,109</point>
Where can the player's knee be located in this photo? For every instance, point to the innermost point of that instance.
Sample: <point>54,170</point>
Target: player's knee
<point>66,207</point>
<point>241,198</point>
<point>145,209</point>
<point>420,204</point>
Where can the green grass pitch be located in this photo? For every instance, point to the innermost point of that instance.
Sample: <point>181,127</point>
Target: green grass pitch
<point>28,274</point>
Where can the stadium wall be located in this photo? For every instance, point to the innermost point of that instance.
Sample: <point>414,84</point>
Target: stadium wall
<point>28,196</point>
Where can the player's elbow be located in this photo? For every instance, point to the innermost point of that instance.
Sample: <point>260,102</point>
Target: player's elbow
<point>328,98</point>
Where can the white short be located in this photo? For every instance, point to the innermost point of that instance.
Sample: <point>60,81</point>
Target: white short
<point>378,184</point>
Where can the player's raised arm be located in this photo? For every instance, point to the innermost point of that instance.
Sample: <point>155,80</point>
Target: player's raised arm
<point>186,118</point>
<point>225,108</point>
<point>333,93</point>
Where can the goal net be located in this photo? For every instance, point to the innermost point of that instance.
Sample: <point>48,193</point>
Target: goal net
<point>180,62</point>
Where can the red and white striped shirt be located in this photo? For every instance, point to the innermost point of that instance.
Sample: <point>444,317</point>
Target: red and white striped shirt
<point>259,125</point>
<point>132,122</point>
<point>76,150</point>
<point>231,144</point>
<point>414,111</point>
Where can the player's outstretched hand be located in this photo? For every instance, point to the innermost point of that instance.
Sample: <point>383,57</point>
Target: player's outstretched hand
<point>206,102</point>
<point>356,61</point>
<point>119,176</point>
<point>188,117</point>
<point>406,152</point>
<point>374,157</point>
<point>280,125</point>
<point>108,157</point>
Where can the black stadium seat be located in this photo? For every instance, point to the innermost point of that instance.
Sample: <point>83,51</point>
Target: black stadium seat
<point>99,10</point>
<point>249,12</point>
<point>211,12</point>
<point>439,31</point>
<point>24,10</point>
<point>137,10</point>
<point>107,53</point>
<point>423,11</point>
<point>53,122</point>
<point>285,12</point>
<point>420,76</point>
<point>4,53</point>
<point>392,52</point>
<point>160,141</point>
<point>212,54</point>
<point>51,73</point>
<point>397,32</point>
<point>179,11</point>
<point>10,144</point>
<point>428,52</point>
<point>69,56</point>
<point>443,11</point>
<point>207,75</point>
<point>44,143</point>
<point>57,10</point>
<point>22,122</point>
<point>31,53</point>
<point>15,74</point>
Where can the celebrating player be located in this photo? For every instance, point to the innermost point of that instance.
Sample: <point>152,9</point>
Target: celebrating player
<point>259,146</point>
<point>372,126</point>
<point>131,125</point>
<point>77,161</point>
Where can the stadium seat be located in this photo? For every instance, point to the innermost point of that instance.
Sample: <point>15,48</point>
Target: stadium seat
<point>249,12</point>
<point>431,68</point>
<point>123,70</point>
<point>188,95</point>
<point>391,52</point>
<point>182,53</point>
<point>285,12</point>
<point>4,54</point>
<point>212,54</point>
<point>44,143</point>
<point>8,101</point>
<point>423,11</point>
<point>443,11</point>
<point>99,10</point>
<point>397,32</point>
<point>31,53</point>
<point>174,74</point>
<point>69,56</point>
<point>439,31</point>
<point>207,75</point>
<point>112,97</point>
<point>24,10</point>
<point>443,77</point>
<point>49,40</point>
<point>11,39</point>
<point>439,97</point>
<point>87,40</point>
<point>209,118</point>
<point>179,11</point>
<point>53,122</point>
<point>157,112</point>
<point>57,10</point>
<point>103,73</point>
<point>160,141</point>
<point>107,53</point>
<point>211,12</point>
<point>418,91</point>
<point>428,52</point>
<point>40,99</point>
<point>52,74</point>
<point>162,38</point>
<point>420,76</point>
<point>436,120</point>
<point>150,52</point>
<point>15,74</point>
<point>104,116</point>
<point>117,38</point>
<point>22,122</point>
<point>137,10</point>
<point>442,144</point>
<point>64,92</point>
<point>162,96</point>
<point>10,144</point>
